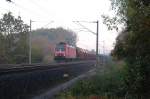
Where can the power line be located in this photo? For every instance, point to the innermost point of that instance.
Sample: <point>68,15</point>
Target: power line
<point>40,7</point>
<point>25,9</point>
<point>48,23</point>
<point>31,11</point>
<point>4,9</point>
<point>84,26</point>
<point>97,34</point>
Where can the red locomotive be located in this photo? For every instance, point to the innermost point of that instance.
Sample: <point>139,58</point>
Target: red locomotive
<point>65,52</point>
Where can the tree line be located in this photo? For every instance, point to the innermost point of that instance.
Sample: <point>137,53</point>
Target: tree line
<point>14,41</point>
<point>133,44</point>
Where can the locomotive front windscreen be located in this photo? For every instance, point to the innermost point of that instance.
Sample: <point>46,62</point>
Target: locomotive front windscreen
<point>60,47</point>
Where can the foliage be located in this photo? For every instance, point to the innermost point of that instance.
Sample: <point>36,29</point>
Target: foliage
<point>107,82</point>
<point>13,39</point>
<point>14,36</point>
<point>57,35</point>
<point>103,85</point>
<point>132,45</point>
<point>37,55</point>
<point>45,40</point>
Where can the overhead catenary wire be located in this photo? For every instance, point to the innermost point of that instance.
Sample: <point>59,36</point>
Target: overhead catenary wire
<point>81,30</point>
<point>40,7</point>
<point>33,12</point>
<point>5,9</point>
<point>29,11</point>
<point>25,9</point>
<point>84,26</point>
<point>48,24</point>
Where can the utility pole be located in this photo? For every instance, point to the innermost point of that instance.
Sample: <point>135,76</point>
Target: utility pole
<point>103,53</point>
<point>30,52</point>
<point>97,34</point>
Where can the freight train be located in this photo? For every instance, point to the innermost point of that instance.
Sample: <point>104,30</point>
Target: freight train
<point>65,52</point>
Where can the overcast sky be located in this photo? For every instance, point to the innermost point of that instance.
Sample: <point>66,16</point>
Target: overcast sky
<point>63,13</point>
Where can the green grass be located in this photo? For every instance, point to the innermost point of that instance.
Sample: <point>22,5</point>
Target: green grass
<point>107,83</point>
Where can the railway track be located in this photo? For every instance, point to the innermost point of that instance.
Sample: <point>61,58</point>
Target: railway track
<point>26,81</point>
<point>18,68</point>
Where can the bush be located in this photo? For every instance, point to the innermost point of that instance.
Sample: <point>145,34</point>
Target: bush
<point>108,82</point>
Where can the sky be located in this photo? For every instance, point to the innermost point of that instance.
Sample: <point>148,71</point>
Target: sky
<point>64,13</point>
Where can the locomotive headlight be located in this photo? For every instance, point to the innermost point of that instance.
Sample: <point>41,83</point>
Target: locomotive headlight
<point>63,54</point>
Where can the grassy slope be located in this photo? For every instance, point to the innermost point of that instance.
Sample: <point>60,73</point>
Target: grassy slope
<point>108,82</point>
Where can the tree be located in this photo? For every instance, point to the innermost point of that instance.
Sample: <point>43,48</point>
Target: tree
<point>45,40</point>
<point>132,45</point>
<point>14,35</point>
<point>8,0</point>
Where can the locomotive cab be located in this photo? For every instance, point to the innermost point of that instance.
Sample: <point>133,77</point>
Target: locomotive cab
<point>60,51</point>
<point>64,52</point>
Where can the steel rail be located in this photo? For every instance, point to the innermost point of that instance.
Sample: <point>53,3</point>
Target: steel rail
<point>32,67</point>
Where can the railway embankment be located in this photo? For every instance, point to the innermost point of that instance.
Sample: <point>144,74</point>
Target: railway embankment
<point>105,83</point>
<point>24,83</point>
<point>54,92</point>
